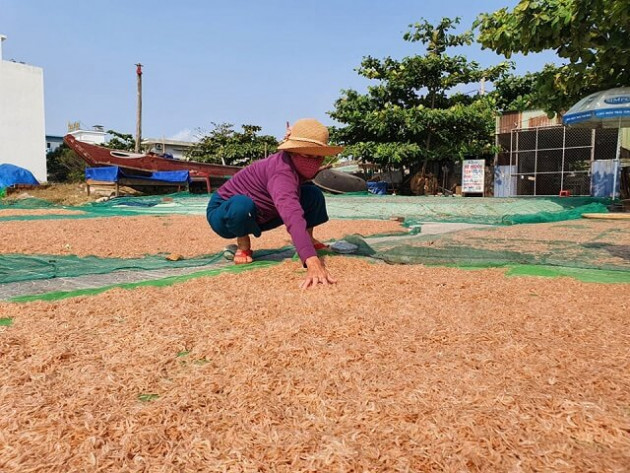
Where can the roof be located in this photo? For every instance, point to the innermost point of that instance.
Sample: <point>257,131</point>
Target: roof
<point>156,141</point>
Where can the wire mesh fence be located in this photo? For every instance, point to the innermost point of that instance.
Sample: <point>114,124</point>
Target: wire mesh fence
<point>553,160</point>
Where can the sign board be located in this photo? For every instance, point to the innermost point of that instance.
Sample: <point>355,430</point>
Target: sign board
<point>473,178</point>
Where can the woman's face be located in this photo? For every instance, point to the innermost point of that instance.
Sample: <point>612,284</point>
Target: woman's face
<point>306,165</point>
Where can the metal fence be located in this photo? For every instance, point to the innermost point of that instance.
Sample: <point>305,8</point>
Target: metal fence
<point>546,160</point>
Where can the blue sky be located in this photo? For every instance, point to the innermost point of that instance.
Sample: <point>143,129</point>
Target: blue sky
<point>235,61</point>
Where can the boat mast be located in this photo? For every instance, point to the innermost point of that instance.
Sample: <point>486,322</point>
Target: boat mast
<point>139,110</point>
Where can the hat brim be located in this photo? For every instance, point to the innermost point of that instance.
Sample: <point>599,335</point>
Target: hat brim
<point>309,148</point>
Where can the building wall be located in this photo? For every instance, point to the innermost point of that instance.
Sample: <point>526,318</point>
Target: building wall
<point>22,123</point>
<point>177,149</point>
<point>95,137</point>
<point>528,119</point>
<point>53,142</point>
<point>536,118</point>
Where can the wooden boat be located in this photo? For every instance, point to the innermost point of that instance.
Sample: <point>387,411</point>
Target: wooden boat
<point>97,156</point>
<point>337,182</point>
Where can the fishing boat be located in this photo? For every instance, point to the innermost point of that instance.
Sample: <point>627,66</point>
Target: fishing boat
<point>332,181</point>
<point>337,182</point>
<point>98,156</point>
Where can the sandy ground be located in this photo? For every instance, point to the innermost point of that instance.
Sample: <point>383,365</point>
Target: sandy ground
<point>62,193</point>
<point>128,237</point>
<point>19,212</point>
<point>395,368</point>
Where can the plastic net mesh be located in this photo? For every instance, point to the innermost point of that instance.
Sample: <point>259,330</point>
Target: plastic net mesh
<point>160,282</point>
<point>558,245</point>
<point>175,204</point>
<point>584,245</point>
<point>18,267</point>
<point>496,211</point>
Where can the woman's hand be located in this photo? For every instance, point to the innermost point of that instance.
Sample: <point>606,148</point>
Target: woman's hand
<point>316,273</point>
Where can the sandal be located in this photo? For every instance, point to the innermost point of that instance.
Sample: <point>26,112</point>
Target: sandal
<point>243,254</point>
<point>321,246</point>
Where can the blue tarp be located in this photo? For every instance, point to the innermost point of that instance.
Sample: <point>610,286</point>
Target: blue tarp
<point>11,175</point>
<point>114,173</point>
<point>603,178</point>
<point>107,174</point>
<point>379,188</point>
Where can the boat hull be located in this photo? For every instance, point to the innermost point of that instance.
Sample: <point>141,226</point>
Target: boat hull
<point>337,182</point>
<point>97,156</point>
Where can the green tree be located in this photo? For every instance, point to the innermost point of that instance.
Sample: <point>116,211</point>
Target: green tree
<point>64,165</point>
<point>591,36</point>
<point>516,93</point>
<point>224,145</point>
<point>412,116</point>
<point>121,141</point>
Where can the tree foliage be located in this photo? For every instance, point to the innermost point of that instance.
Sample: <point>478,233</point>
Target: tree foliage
<point>592,36</point>
<point>224,145</point>
<point>411,115</point>
<point>516,93</point>
<point>121,141</point>
<point>64,165</point>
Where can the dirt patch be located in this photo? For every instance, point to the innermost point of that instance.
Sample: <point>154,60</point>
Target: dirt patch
<point>62,194</point>
<point>128,237</point>
<point>395,368</point>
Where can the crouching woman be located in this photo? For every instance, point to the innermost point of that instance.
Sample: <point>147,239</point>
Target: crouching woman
<point>275,191</point>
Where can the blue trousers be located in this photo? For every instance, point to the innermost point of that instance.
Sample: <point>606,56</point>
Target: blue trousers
<point>236,216</point>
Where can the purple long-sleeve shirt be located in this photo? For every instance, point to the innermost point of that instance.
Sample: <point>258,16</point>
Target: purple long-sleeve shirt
<point>274,186</point>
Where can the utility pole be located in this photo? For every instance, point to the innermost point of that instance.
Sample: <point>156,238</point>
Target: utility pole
<point>139,111</point>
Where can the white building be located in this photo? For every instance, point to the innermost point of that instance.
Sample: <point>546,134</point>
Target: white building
<point>22,121</point>
<point>53,142</point>
<point>177,149</point>
<point>95,136</point>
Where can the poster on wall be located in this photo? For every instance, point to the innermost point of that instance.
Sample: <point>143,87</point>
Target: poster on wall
<point>473,176</point>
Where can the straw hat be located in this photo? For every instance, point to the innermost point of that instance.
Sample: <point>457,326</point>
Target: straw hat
<point>308,136</point>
